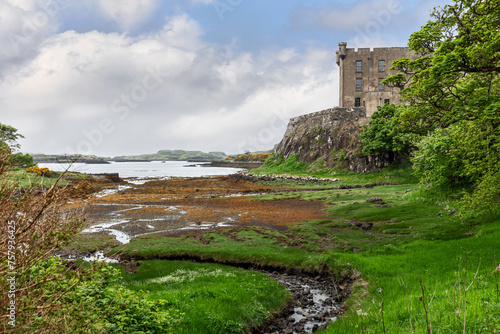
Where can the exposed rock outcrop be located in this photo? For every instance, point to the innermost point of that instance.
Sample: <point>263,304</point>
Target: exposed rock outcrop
<point>330,137</point>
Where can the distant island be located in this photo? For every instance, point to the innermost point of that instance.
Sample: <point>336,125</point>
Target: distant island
<point>163,155</point>
<point>174,155</point>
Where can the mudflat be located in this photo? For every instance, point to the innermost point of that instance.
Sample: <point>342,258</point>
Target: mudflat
<point>181,205</point>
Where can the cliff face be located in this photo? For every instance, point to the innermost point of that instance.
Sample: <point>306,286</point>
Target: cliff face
<point>331,136</point>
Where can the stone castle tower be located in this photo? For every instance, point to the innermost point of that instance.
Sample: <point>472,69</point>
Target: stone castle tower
<point>361,73</point>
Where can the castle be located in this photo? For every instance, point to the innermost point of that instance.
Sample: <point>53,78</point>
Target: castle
<point>332,136</point>
<point>361,74</point>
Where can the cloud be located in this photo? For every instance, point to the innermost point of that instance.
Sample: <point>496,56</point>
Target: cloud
<point>206,2</point>
<point>128,14</point>
<point>112,94</point>
<point>350,18</point>
<point>25,24</point>
<point>363,23</point>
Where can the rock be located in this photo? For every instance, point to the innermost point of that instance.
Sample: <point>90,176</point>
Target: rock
<point>333,135</point>
<point>375,200</point>
<point>356,250</point>
<point>454,211</point>
<point>355,223</point>
<point>367,226</point>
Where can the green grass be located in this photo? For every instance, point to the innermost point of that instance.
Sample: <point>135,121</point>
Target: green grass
<point>90,242</point>
<point>277,166</point>
<point>413,236</point>
<point>27,180</point>
<point>214,298</point>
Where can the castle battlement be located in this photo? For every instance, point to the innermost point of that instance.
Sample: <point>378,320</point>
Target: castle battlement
<point>361,72</point>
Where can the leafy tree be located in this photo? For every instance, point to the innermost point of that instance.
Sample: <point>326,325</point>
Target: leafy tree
<point>9,136</point>
<point>8,143</point>
<point>21,160</point>
<point>453,92</point>
<point>385,135</point>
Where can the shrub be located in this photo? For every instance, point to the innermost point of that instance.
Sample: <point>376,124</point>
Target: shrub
<point>39,171</point>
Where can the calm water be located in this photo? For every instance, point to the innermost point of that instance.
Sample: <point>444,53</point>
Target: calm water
<point>144,169</point>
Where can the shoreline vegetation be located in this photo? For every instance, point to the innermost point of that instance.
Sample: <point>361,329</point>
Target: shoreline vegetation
<point>397,242</point>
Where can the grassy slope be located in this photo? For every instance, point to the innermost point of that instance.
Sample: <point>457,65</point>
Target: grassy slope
<point>27,180</point>
<point>213,297</point>
<point>413,239</point>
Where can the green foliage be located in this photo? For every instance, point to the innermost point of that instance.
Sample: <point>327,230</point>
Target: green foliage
<point>214,298</point>
<point>433,163</point>
<point>122,310</point>
<point>384,134</point>
<point>485,199</point>
<point>21,160</point>
<point>454,96</point>
<point>96,302</point>
<point>281,166</point>
<point>9,136</point>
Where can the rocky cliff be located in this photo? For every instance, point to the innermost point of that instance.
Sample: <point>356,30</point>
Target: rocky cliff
<point>330,138</point>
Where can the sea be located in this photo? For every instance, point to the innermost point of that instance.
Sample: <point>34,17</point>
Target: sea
<point>153,169</point>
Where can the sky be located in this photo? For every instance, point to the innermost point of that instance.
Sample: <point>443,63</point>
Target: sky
<point>123,77</point>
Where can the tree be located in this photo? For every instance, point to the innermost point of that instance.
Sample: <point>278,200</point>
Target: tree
<point>21,160</point>
<point>8,143</point>
<point>384,136</point>
<point>9,136</point>
<point>453,93</point>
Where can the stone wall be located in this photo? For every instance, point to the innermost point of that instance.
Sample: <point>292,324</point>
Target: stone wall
<point>330,137</point>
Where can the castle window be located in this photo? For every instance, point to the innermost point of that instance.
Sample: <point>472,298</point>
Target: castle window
<point>359,66</point>
<point>359,84</point>
<point>381,65</point>
<point>357,102</point>
<point>380,86</point>
<point>387,101</point>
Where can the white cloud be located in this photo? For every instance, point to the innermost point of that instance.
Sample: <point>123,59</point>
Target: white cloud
<point>128,13</point>
<point>381,12</point>
<point>24,26</point>
<point>206,2</point>
<point>165,90</point>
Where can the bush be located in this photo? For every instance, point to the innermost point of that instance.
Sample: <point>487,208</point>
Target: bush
<point>39,171</point>
<point>252,157</point>
<point>464,157</point>
<point>385,135</point>
<point>21,160</point>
